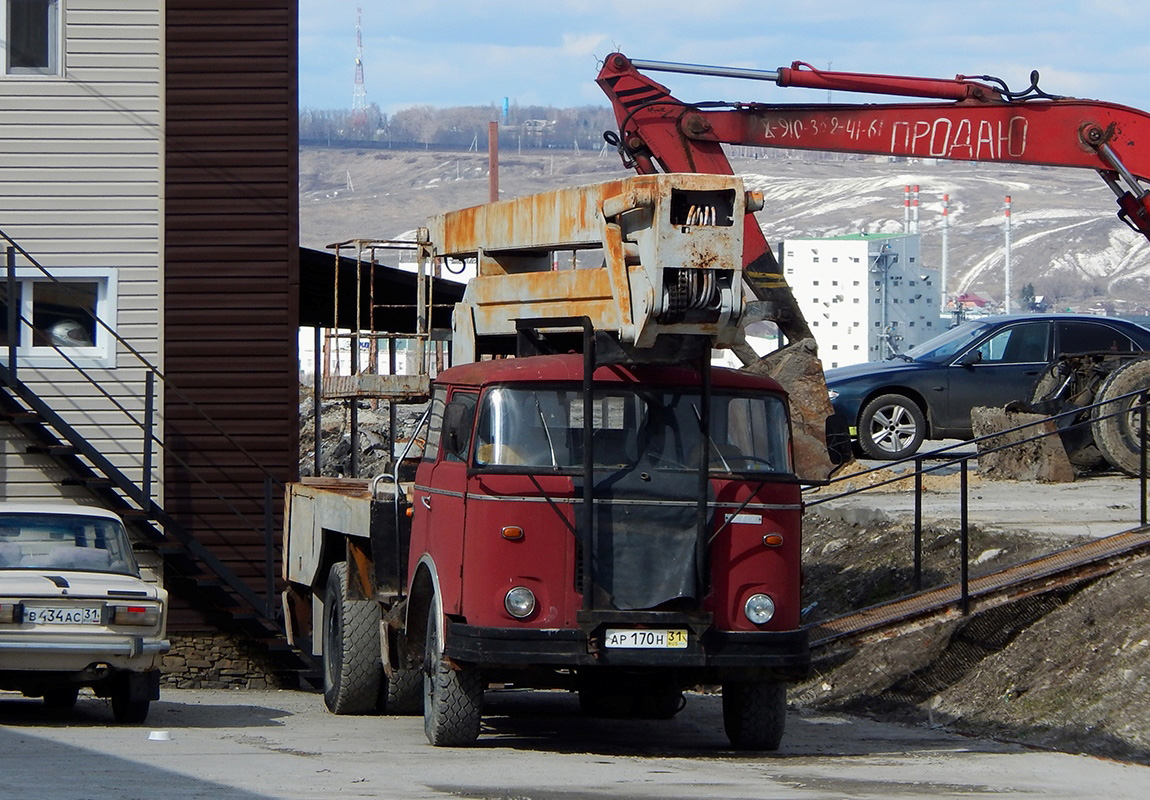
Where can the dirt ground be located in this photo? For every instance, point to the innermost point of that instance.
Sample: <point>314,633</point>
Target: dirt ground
<point>1067,670</point>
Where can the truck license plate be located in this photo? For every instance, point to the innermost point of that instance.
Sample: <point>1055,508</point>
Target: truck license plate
<point>652,640</point>
<point>54,615</point>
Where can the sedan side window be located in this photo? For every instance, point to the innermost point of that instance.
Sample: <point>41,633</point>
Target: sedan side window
<point>1091,337</point>
<point>1018,344</point>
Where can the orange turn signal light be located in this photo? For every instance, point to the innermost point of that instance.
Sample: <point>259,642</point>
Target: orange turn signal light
<point>512,533</point>
<point>773,540</point>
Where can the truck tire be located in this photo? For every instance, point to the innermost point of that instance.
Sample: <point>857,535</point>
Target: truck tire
<point>453,698</point>
<point>352,671</point>
<point>1118,435</point>
<point>754,714</point>
<point>891,427</point>
<point>404,695</point>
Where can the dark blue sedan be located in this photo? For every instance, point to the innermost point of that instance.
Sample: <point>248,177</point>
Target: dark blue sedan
<point>928,392</point>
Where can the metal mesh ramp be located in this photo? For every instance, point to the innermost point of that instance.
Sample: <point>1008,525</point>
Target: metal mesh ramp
<point>1054,571</point>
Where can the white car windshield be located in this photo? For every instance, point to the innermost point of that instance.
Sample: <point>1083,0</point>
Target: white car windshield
<point>543,427</point>
<point>65,542</point>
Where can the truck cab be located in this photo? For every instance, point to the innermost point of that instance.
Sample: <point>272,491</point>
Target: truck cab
<point>684,572</point>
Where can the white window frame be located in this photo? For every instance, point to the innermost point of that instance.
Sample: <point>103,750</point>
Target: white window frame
<point>55,68</point>
<point>102,355</point>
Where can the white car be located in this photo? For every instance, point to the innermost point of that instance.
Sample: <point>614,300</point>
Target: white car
<point>74,610</point>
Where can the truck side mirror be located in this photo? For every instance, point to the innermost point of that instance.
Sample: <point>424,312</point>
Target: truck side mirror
<point>457,428</point>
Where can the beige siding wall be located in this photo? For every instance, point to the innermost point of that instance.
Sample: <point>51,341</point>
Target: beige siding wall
<point>81,186</point>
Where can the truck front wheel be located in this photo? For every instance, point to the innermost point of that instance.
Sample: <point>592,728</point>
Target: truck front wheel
<point>352,671</point>
<point>453,698</point>
<point>754,714</point>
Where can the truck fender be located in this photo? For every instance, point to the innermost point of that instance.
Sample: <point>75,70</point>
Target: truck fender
<point>423,591</point>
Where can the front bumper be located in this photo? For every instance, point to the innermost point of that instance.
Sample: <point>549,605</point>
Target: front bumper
<point>784,653</point>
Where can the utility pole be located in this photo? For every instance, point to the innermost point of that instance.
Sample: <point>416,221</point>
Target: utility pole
<point>945,247</point>
<point>1007,230</point>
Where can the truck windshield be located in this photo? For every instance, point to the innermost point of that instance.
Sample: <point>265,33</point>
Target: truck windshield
<point>65,542</point>
<point>659,429</point>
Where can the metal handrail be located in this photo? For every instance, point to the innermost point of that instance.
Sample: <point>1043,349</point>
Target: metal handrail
<point>1090,413</point>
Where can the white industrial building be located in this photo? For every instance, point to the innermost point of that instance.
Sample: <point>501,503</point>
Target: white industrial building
<point>865,296</point>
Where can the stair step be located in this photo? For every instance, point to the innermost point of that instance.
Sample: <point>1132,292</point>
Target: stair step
<point>52,449</point>
<point>19,417</point>
<point>90,483</point>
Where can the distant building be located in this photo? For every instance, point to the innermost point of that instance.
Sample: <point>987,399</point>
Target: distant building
<point>865,296</point>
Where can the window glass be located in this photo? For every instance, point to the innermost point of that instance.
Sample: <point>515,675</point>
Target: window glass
<point>543,427</point>
<point>31,36</point>
<point>64,314</point>
<point>1089,337</point>
<point>65,541</point>
<point>435,424</point>
<point>1018,344</point>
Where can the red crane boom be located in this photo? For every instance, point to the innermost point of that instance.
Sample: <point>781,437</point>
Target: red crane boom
<point>983,121</point>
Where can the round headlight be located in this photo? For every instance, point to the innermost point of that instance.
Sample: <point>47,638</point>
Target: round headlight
<point>519,602</point>
<point>759,608</point>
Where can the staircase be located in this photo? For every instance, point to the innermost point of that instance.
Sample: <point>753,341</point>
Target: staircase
<point>193,572</point>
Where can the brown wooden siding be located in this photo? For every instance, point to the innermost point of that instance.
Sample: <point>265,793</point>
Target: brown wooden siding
<point>231,269</point>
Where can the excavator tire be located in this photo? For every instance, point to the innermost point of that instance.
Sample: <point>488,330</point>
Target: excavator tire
<point>1117,425</point>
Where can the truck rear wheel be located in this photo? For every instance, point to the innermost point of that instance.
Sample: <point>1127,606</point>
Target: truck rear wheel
<point>352,671</point>
<point>1117,425</point>
<point>404,696</point>
<point>453,698</point>
<point>754,714</point>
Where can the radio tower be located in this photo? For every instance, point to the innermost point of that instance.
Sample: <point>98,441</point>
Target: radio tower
<point>359,93</point>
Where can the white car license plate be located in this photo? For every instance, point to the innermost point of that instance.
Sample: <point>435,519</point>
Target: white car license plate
<point>55,615</point>
<point>647,639</point>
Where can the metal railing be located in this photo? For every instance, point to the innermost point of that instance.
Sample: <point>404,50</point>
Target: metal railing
<point>1133,404</point>
<point>135,411</point>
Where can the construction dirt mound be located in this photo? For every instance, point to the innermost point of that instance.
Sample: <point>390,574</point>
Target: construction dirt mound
<point>1067,670</point>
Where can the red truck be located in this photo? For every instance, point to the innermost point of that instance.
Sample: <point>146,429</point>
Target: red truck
<point>604,512</point>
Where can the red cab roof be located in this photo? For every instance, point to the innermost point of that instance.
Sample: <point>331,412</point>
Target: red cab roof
<point>569,368</point>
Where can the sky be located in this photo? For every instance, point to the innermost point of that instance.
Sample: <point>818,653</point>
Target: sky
<point>446,53</point>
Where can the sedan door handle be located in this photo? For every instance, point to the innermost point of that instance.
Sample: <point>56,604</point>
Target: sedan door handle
<point>426,500</point>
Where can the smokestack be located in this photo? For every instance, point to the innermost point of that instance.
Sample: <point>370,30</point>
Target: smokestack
<point>914,206</point>
<point>906,209</point>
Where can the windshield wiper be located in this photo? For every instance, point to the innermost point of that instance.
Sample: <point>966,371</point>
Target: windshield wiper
<point>903,356</point>
<point>715,447</point>
<point>546,431</point>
